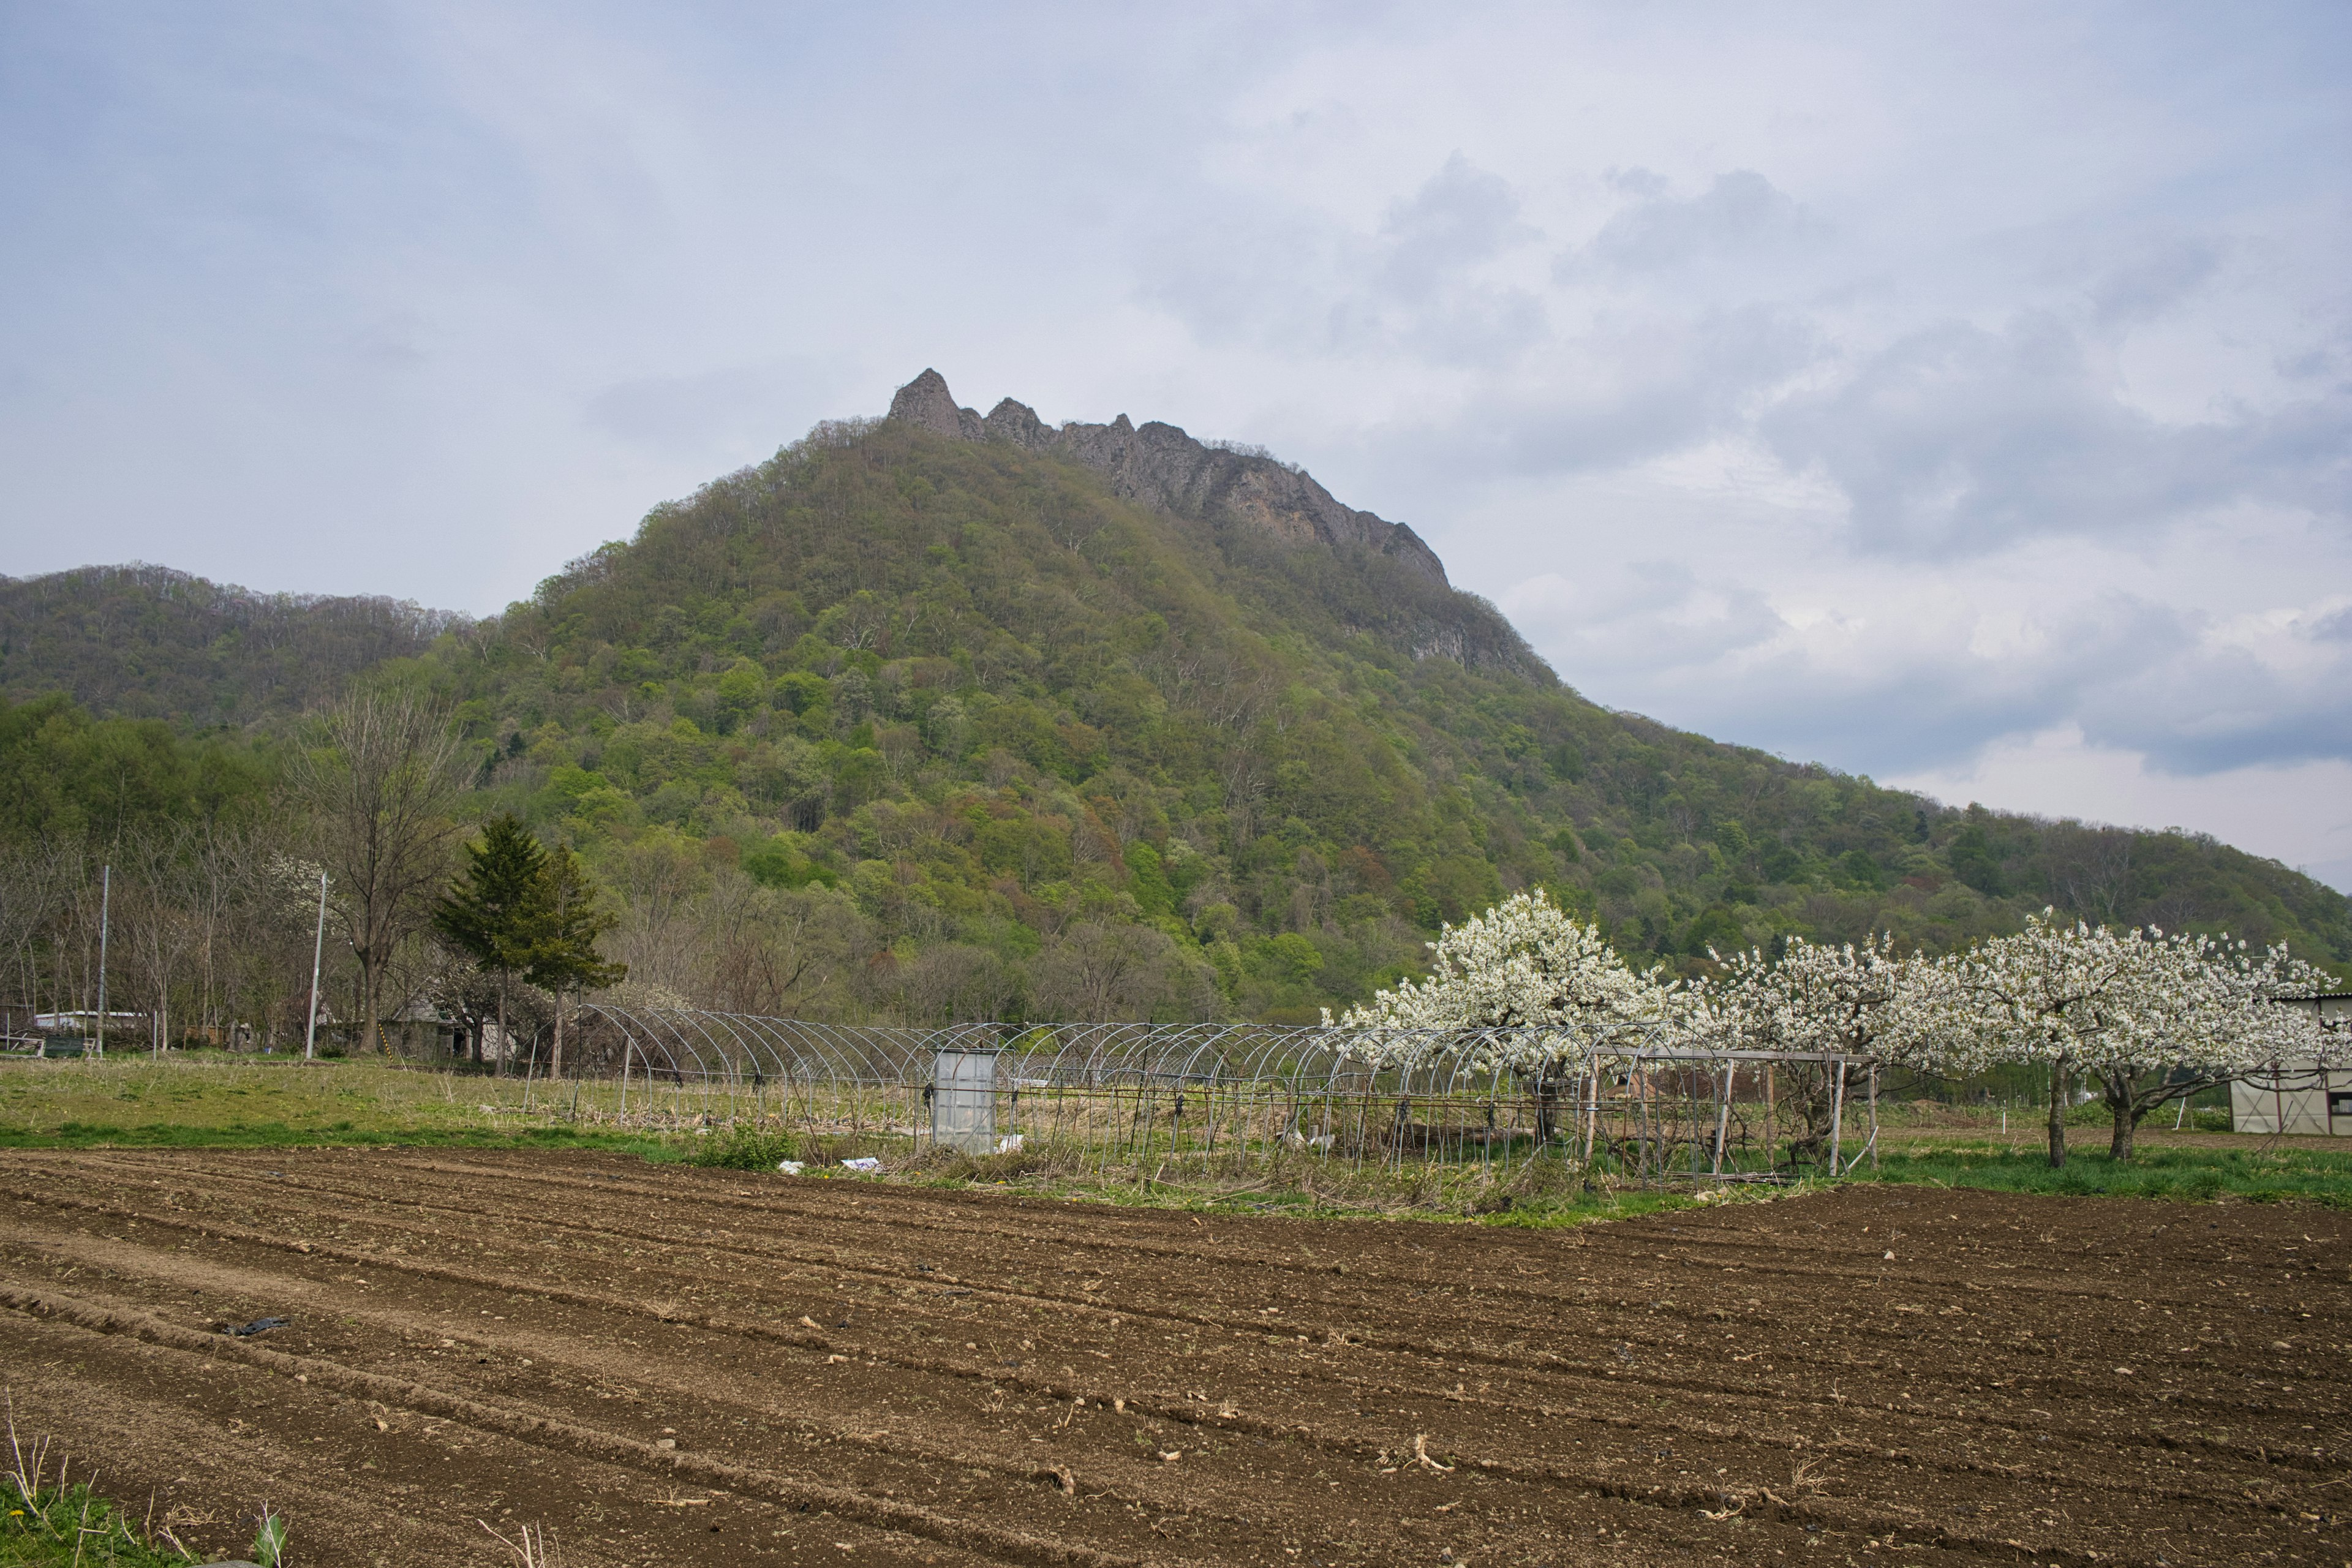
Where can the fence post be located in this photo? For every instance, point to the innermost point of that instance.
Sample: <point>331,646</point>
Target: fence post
<point>1723,1115</point>
<point>1874,1115</point>
<point>1837,1114</point>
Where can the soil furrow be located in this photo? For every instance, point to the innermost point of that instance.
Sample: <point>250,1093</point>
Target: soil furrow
<point>2065,1379</point>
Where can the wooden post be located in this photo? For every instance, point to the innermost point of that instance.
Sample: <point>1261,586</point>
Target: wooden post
<point>1874,1115</point>
<point>1772,1121</point>
<point>1837,1112</point>
<point>1723,1114</point>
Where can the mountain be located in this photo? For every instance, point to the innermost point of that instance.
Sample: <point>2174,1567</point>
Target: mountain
<point>146,642</point>
<point>946,715</point>
<point>998,682</point>
<point>1230,489</point>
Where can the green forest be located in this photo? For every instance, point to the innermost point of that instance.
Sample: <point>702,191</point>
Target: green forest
<point>896,726</point>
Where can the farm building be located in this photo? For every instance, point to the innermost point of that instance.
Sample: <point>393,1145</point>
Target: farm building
<point>2299,1097</point>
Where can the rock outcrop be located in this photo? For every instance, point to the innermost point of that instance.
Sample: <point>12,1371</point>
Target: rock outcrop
<point>1160,466</point>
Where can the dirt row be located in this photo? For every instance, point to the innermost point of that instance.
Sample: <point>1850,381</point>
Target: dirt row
<point>668,1365</point>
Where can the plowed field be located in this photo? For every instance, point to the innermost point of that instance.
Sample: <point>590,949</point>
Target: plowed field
<point>668,1365</point>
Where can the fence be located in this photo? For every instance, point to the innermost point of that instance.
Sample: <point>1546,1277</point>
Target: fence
<point>1221,1098</point>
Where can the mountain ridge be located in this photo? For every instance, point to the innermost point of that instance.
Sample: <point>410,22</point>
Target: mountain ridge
<point>908,720</point>
<point>1160,466</point>
<point>143,641</point>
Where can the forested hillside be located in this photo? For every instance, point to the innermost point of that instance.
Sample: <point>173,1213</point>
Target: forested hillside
<point>1004,714</point>
<point>938,716</point>
<point>146,642</point>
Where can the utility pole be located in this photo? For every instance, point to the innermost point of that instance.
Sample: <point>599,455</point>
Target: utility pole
<point>105,902</point>
<point>318,953</point>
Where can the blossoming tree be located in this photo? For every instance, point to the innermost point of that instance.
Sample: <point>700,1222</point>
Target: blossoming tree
<point>2154,1018</point>
<point>1858,1000</point>
<point>1544,990</point>
<point>2047,994</point>
<point>2194,1014</point>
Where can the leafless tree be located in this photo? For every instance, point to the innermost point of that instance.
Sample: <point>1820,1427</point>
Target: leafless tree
<point>155,926</point>
<point>1098,972</point>
<point>36,879</point>
<point>379,790</point>
<point>956,983</point>
<point>2090,868</point>
<point>771,949</point>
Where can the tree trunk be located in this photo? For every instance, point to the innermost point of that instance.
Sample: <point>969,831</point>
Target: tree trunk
<point>2061,1083</point>
<point>373,1038</point>
<point>2127,1114</point>
<point>499,1068</point>
<point>555,1062</point>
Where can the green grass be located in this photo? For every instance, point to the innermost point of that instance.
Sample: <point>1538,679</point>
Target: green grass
<point>199,1100</point>
<point>210,1101</point>
<point>62,1526</point>
<point>2254,1173</point>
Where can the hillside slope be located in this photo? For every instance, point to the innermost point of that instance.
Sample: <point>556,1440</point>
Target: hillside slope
<point>989,716</point>
<point>147,642</point>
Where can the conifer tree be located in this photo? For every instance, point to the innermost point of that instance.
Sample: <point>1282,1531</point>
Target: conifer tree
<point>563,954</point>
<point>496,912</point>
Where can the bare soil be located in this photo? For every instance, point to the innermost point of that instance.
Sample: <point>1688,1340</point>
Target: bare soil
<point>670,1365</point>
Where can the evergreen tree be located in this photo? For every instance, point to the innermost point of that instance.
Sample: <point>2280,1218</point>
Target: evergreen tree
<point>564,956</point>
<point>496,912</point>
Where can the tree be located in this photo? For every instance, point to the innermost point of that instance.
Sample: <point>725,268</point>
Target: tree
<point>1547,985</point>
<point>2194,1014</point>
<point>2051,993</point>
<point>564,956</point>
<point>1855,1000</point>
<point>155,914</point>
<point>497,910</point>
<point>1099,971</point>
<point>379,789</point>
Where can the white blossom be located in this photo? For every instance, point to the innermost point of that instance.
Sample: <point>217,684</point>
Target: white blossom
<point>1524,987</point>
<point>1852,1000</point>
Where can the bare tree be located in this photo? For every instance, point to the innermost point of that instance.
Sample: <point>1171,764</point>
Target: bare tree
<point>955,982</point>
<point>154,915</point>
<point>36,880</point>
<point>379,792</point>
<point>1099,972</point>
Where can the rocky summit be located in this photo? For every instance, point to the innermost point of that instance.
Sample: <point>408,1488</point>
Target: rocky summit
<point>1160,466</point>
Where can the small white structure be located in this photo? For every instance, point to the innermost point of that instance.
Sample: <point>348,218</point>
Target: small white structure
<point>2299,1097</point>
<point>964,1098</point>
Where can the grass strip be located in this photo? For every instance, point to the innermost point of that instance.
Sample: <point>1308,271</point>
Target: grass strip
<point>73,1527</point>
<point>2263,1170</point>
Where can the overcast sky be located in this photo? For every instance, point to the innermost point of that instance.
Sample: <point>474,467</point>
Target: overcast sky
<point>1958,394</point>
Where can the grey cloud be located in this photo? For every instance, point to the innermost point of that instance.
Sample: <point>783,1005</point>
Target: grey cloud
<point>1639,388</point>
<point>1957,439</point>
<point>2201,710</point>
<point>1643,620</point>
<point>1463,216</point>
<point>692,415</point>
<point>1740,214</point>
<point>2134,675</point>
<point>1308,287</point>
<point>1923,707</point>
<point>2151,284</point>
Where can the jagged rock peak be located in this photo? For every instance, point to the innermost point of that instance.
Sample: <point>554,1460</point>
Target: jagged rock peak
<point>926,401</point>
<point>1160,466</point>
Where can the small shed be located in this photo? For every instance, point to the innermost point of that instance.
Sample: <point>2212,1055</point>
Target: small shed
<point>2299,1097</point>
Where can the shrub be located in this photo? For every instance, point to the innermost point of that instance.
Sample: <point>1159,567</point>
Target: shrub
<point>746,1149</point>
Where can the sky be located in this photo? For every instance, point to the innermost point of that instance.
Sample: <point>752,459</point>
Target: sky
<point>1954,394</point>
